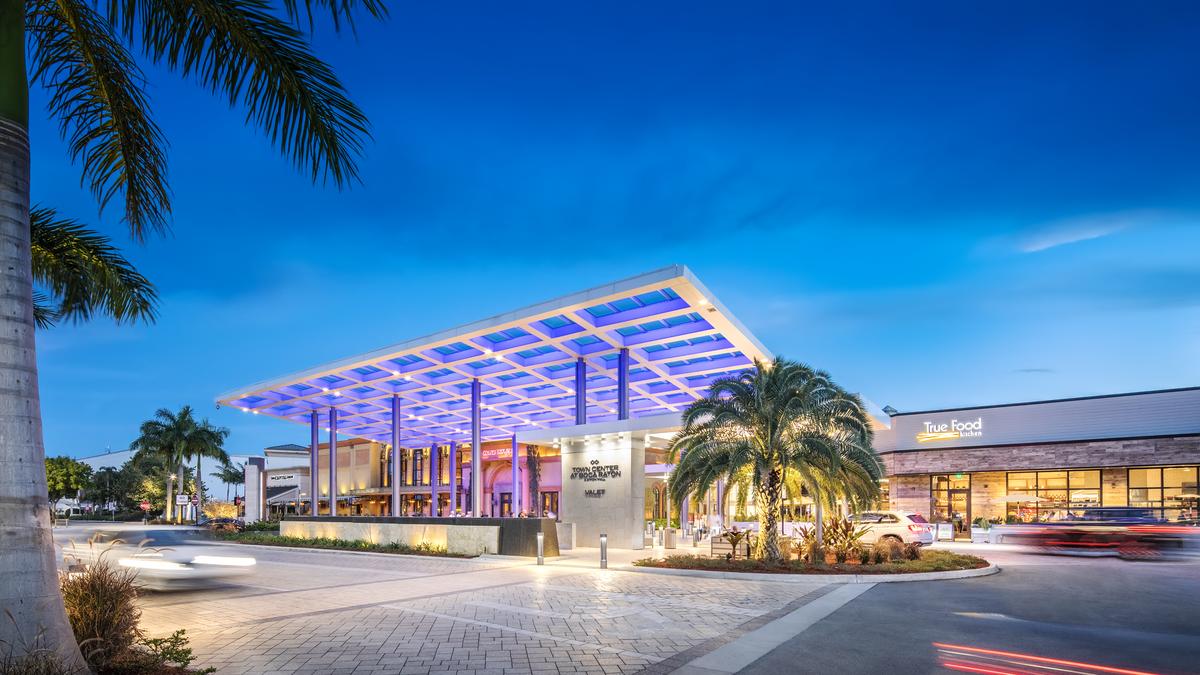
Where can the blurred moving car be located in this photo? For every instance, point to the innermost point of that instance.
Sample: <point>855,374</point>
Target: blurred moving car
<point>1127,532</point>
<point>903,526</point>
<point>164,559</point>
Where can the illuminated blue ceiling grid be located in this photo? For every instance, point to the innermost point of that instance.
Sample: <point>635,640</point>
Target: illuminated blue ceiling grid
<point>679,339</point>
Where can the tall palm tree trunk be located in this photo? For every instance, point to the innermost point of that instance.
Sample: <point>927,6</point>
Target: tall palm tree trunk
<point>769,497</point>
<point>182,491</point>
<point>30,602</point>
<point>168,511</point>
<point>199,489</point>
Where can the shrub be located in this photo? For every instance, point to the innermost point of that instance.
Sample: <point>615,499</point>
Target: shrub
<point>804,546</point>
<point>887,550</point>
<point>263,526</point>
<point>843,535</point>
<point>864,556</point>
<point>218,509</point>
<point>912,551</point>
<point>981,522</point>
<point>101,604</point>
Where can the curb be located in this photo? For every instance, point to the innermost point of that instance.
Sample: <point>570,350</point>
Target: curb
<point>374,554</point>
<point>785,578</point>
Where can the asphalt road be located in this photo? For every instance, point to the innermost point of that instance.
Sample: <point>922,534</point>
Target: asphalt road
<point>1133,616</point>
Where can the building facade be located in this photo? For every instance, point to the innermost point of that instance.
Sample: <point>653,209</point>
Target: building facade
<point>1048,459</point>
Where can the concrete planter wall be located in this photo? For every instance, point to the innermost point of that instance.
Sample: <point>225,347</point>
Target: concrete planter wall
<point>460,536</point>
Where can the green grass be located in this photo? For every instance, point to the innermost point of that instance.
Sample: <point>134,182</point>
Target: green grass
<point>268,539</point>
<point>930,561</point>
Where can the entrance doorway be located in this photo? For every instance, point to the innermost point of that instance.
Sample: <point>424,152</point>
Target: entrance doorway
<point>505,504</point>
<point>950,502</point>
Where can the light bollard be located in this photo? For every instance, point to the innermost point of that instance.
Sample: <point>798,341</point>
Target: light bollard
<point>603,551</point>
<point>541,541</point>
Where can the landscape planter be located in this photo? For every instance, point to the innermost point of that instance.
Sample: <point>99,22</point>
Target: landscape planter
<point>980,535</point>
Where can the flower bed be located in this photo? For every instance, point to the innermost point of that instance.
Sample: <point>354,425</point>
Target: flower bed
<point>266,539</point>
<point>930,561</point>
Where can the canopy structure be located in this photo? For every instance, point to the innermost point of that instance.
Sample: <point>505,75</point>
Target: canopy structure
<point>646,345</point>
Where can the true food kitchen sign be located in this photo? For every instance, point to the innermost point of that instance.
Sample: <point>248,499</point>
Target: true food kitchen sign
<point>950,431</point>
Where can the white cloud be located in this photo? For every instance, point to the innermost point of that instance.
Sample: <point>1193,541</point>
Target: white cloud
<point>1083,228</point>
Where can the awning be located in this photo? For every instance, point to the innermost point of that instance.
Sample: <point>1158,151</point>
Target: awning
<point>677,336</point>
<point>283,494</point>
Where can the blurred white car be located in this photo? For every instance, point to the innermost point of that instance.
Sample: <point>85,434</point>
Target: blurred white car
<point>903,526</point>
<point>163,559</point>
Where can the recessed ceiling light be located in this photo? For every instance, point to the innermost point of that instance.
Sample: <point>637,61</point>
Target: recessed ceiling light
<point>325,389</point>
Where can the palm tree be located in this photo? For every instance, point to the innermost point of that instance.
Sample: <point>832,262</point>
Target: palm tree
<point>79,273</point>
<point>179,438</point>
<point>775,419</point>
<point>231,475</point>
<point>206,440</point>
<point>254,54</point>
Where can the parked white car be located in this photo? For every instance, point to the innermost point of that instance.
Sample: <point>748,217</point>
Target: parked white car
<point>903,526</point>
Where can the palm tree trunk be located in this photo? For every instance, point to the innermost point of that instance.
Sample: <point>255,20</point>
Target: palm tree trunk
<point>769,498</point>
<point>167,510</point>
<point>182,490</point>
<point>30,602</point>
<point>199,489</point>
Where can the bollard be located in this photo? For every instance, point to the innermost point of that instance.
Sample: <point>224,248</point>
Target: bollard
<point>541,539</point>
<point>603,551</point>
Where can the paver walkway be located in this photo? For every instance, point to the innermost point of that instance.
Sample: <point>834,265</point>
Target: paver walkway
<point>302,612</point>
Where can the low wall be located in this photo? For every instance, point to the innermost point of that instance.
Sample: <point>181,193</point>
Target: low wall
<point>462,536</point>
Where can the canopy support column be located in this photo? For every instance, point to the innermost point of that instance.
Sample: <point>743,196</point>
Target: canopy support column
<point>397,476</point>
<point>333,485</point>
<point>476,452</point>
<point>314,463</point>
<point>434,453</point>
<point>453,500</point>
<point>516,478</point>
<point>580,391</point>
<point>623,384</point>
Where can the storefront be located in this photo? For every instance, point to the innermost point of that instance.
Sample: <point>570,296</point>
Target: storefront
<point>1047,460</point>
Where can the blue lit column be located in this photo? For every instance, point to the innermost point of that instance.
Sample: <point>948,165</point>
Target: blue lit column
<point>314,462</point>
<point>434,451</point>
<point>580,391</point>
<point>623,384</point>
<point>333,490</point>
<point>397,477</point>
<point>516,479</point>
<point>453,501</point>
<point>476,452</point>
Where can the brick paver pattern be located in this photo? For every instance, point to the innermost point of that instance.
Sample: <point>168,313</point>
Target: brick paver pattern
<point>302,612</point>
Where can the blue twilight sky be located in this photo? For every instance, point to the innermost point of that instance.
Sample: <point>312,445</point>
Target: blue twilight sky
<point>942,204</point>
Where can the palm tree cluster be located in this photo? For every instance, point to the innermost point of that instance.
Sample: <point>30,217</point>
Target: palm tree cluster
<point>179,438</point>
<point>86,56</point>
<point>778,427</point>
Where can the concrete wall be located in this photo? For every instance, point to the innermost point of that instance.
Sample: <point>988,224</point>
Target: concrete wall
<point>613,504</point>
<point>909,493</point>
<point>458,539</point>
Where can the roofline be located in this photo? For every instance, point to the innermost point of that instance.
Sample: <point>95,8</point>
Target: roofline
<point>604,290</point>
<point>1051,400</point>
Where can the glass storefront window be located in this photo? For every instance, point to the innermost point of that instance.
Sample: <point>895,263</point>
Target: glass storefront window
<point>1142,478</point>
<point>1054,494</point>
<point>1170,491</point>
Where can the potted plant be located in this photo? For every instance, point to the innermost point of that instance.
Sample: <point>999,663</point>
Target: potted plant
<point>979,530</point>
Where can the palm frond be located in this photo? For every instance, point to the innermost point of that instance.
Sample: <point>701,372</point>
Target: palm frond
<point>240,49</point>
<point>339,10</point>
<point>83,274</point>
<point>96,94</point>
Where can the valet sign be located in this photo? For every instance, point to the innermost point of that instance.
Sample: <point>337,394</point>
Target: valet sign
<point>950,431</point>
